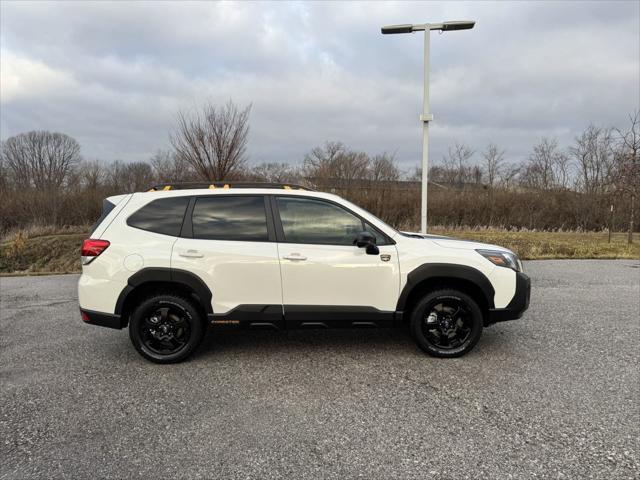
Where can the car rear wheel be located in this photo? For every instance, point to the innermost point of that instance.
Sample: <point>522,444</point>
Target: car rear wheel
<point>166,328</point>
<point>446,323</point>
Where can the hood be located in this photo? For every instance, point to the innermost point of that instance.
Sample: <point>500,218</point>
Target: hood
<point>451,242</point>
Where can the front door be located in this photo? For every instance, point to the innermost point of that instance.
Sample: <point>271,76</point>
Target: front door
<point>233,250</point>
<point>326,279</point>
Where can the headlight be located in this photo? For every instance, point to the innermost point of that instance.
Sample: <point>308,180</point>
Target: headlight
<point>502,259</point>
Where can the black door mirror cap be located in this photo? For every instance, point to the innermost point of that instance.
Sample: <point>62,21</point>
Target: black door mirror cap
<point>372,249</point>
<point>364,239</point>
<point>367,240</point>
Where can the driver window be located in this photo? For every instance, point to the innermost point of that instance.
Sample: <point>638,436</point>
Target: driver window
<point>314,221</point>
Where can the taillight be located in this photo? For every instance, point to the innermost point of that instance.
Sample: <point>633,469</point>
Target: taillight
<point>91,249</point>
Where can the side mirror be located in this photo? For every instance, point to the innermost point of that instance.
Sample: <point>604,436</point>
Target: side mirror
<point>368,241</point>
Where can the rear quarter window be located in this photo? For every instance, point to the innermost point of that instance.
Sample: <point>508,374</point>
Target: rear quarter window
<point>107,206</point>
<point>163,216</point>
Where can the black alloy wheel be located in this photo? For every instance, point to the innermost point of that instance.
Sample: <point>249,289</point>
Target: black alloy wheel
<point>446,323</point>
<point>166,328</point>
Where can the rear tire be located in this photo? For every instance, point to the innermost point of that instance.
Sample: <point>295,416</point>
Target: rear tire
<point>446,323</point>
<point>166,328</point>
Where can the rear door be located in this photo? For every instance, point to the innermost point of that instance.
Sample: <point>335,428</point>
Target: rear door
<point>326,279</point>
<point>229,242</point>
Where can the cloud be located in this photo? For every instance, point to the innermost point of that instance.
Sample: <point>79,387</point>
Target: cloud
<point>114,76</point>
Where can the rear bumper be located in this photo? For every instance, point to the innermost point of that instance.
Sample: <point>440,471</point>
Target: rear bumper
<point>108,320</point>
<point>518,304</point>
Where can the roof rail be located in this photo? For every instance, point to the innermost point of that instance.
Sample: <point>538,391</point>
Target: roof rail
<point>223,185</point>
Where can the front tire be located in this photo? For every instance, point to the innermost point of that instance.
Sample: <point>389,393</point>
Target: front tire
<point>446,323</point>
<point>166,328</point>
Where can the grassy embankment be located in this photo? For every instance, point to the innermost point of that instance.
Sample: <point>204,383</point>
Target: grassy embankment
<point>35,253</point>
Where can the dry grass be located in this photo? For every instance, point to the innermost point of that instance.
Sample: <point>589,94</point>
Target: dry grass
<point>554,245</point>
<point>37,230</point>
<point>29,254</point>
<point>43,254</point>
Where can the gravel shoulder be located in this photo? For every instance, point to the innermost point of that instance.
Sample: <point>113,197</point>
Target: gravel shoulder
<point>553,395</point>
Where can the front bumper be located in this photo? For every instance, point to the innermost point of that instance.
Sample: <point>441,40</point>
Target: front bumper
<point>518,304</point>
<point>108,320</point>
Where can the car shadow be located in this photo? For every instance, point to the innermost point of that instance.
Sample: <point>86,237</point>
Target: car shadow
<point>221,342</point>
<point>218,341</point>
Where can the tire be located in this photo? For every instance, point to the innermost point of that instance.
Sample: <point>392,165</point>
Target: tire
<point>446,323</point>
<point>166,328</point>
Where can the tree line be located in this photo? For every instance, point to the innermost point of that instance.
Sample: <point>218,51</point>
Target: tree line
<point>590,185</point>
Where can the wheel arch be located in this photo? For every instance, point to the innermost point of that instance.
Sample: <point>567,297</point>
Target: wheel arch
<point>429,277</point>
<point>151,280</point>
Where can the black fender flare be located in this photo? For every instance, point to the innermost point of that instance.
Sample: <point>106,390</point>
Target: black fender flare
<point>168,275</point>
<point>444,271</point>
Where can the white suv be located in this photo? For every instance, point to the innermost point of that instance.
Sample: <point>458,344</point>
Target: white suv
<point>173,260</point>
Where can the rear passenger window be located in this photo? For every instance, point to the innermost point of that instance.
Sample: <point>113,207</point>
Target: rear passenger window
<point>161,216</point>
<point>230,218</point>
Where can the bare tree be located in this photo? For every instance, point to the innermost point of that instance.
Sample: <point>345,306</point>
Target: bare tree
<point>40,159</point>
<point>129,177</point>
<point>214,140</point>
<point>593,156</point>
<point>493,162</point>
<point>562,170</point>
<point>383,168</point>
<point>275,172</point>
<point>320,161</point>
<point>91,174</point>
<point>540,169</point>
<point>510,174</point>
<point>456,164</point>
<point>169,167</point>
<point>334,165</point>
<point>4,173</point>
<point>627,176</point>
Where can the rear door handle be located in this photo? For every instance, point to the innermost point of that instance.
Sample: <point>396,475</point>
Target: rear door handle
<point>191,254</point>
<point>294,256</point>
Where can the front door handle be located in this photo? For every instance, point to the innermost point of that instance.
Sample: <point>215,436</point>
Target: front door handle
<point>191,254</point>
<point>294,256</point>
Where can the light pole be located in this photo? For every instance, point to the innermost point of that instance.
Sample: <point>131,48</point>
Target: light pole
<point>426,117</point>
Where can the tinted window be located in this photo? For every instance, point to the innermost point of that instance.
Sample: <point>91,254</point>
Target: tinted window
<point>161,216</point>
<point>313,221</point>
<point>380,238</point>
<point>230,218</point>
<point>107,206</point>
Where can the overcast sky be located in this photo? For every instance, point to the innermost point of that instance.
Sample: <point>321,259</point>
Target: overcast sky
<point>113,75</point>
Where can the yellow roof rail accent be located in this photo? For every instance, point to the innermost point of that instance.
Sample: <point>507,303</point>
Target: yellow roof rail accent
<point>167,187</point>
<point>212,186</point>
<point>226,186</point>
<point>286,187</point>
<point>151,190</point>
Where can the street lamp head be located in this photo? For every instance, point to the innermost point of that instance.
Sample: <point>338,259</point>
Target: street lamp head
<point>391,29</point>
<point>460,25</point>
<point>444,27</point>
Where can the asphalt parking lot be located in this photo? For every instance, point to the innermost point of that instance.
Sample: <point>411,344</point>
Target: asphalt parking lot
<point>554,395</point>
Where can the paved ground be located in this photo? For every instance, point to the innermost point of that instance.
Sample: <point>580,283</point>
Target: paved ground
<point>555,395</point>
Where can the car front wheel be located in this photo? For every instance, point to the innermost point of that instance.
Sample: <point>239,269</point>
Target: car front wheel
<point>446,323</point>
